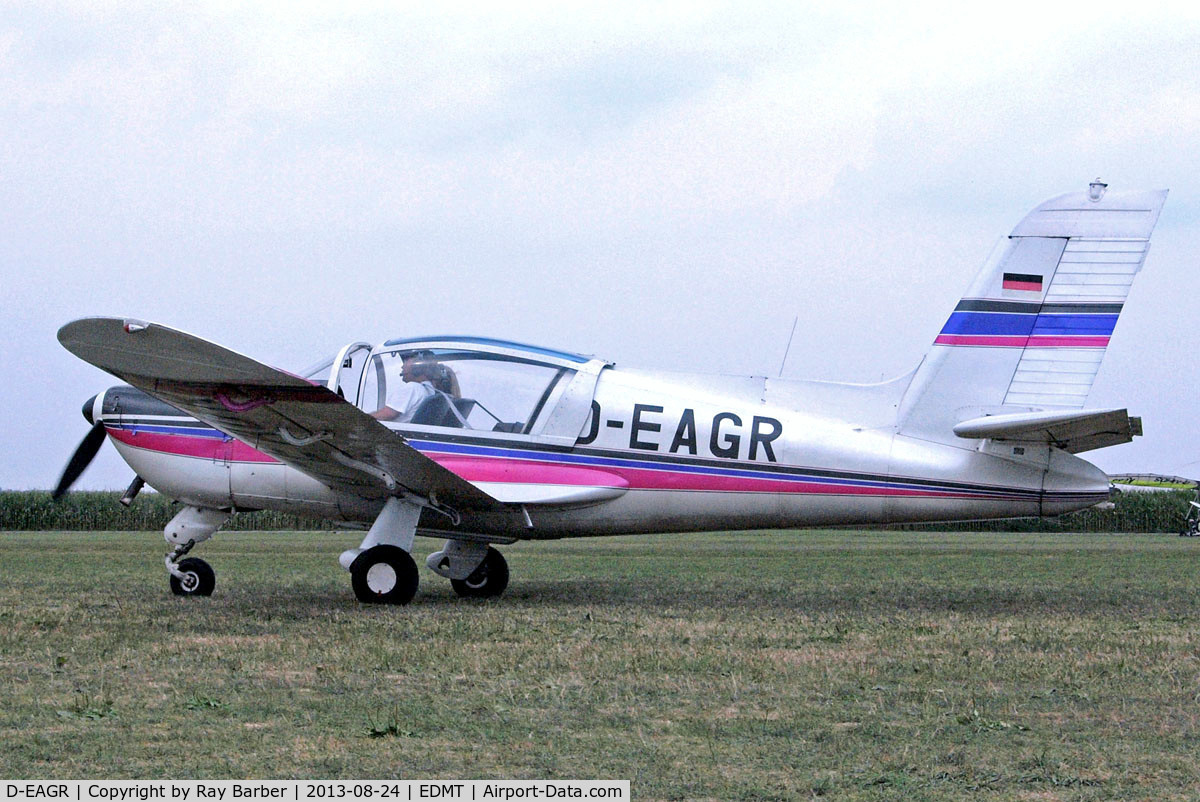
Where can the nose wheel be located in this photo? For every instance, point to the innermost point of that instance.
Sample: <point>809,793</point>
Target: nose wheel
<point>193,577</point>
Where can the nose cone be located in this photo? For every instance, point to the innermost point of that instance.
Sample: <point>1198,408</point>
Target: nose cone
<point>88,406</point>
<point>121,400</point>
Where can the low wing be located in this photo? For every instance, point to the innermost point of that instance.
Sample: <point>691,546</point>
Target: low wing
<point>1074,432</point>
<point>304,425</point>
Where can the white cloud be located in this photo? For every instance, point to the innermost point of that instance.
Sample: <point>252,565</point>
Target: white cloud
<point>664,184</point>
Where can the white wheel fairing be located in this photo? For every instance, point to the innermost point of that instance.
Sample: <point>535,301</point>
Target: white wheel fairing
<point>381,578</point>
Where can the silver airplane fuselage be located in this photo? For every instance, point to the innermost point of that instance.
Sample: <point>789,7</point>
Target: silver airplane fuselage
<point>659,451</point>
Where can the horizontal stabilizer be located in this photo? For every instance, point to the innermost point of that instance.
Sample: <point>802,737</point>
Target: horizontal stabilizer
<point>1074,432</point>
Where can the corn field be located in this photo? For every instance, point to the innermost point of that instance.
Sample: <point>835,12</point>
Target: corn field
<point>99,511</point>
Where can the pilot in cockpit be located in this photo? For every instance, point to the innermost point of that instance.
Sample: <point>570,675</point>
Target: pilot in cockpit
<point>423,376</point>
<point>436,373</point>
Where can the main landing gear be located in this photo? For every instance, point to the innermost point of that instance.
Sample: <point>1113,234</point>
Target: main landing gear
<point>487,580</point>
<point>382,569</point>
<point>387,574</point>
<point>384,574</point>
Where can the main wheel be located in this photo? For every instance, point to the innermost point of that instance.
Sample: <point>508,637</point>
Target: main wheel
<point>384,575</point>
<point>488,580</point>
<point>199,579</point>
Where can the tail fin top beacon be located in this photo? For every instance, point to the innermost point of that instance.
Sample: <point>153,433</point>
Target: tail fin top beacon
<point>1032,329</point>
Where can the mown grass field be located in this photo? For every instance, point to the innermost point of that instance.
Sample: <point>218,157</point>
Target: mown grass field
<point>843,665</point>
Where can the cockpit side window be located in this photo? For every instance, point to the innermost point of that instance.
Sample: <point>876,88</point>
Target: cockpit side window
<point>459,389</point>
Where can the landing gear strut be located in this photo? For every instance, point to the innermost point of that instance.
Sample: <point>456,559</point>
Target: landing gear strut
<point>382,568</point>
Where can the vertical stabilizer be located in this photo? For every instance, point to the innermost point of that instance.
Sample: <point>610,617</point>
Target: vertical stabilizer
<point>1030,333</point>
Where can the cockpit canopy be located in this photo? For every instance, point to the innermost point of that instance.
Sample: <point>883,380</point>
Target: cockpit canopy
<point>466,383</point>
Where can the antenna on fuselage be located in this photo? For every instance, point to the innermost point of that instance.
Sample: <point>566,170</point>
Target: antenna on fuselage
<point>787,350</point>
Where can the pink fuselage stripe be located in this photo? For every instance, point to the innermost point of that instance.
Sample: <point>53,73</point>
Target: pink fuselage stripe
<point>191,446</point>
<point>518,471</point>
<point>492,469</point>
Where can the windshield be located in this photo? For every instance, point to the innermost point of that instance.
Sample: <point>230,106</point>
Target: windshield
<point>318,373</point>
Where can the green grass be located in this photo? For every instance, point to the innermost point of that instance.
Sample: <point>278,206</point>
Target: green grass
<point>840,665</point>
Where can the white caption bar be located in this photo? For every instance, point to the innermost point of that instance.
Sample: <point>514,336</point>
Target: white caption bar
<point>310,790</point>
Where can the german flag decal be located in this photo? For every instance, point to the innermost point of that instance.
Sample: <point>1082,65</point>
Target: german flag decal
<point>1025,282</point>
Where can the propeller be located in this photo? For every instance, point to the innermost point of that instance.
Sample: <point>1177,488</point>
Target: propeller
<point>83,454</point>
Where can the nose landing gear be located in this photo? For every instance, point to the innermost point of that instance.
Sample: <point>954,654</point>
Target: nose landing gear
<point>192,525</point>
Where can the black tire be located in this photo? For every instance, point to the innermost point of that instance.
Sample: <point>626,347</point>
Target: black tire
<point>487,581</point>
<point>200,581</point>
<point>384,575</point>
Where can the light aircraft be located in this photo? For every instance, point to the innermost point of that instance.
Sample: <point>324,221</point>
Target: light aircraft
<point>483,442</point>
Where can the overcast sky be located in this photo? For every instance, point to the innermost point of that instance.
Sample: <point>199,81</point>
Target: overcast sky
<point>664,186</point>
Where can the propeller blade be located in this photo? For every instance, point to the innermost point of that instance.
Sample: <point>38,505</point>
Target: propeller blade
<point>80,460</point>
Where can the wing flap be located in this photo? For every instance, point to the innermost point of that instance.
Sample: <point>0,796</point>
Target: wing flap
<point>1074,432</point>
<point>301,424</point>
